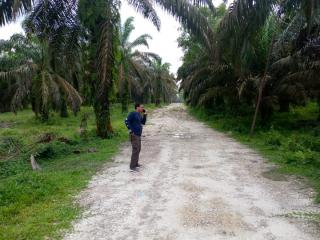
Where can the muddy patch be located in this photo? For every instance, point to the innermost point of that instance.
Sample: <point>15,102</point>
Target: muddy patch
<point>6,124</point>
<point>274,175</point>
<point>191,187</point>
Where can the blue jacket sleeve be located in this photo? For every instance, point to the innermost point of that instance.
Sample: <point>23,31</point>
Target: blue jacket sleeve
<point>130,116</point>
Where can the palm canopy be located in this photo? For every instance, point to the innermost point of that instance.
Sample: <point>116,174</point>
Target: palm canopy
<point>131,63</point>
<point>162,82</point>
<point>9,9</point>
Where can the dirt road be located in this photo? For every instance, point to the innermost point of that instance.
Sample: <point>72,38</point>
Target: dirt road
<point>196,184</point>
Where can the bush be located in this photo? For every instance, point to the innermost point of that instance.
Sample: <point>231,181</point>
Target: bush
<point>312,143</point>
<point>316,131</point>
<point>273,138</point>
<point>301,157</point>
<point>10,145</point>
<point>294,145</point>
<point>303,142</point>
<point>11,167</point>
<point>51,150</point>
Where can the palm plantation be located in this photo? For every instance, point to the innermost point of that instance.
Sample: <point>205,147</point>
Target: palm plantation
<point>229,70</point>
<point>250,68</point>
<point>99,21</point>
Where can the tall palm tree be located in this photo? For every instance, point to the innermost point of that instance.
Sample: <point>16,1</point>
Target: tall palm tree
<point>131,70</point>
<point>163,83</point>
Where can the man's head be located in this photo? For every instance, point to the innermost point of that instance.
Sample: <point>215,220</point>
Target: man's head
<point>138,107</point>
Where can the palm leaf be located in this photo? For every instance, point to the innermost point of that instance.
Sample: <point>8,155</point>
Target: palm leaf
<point>9,9</point>
<point>105,59</point>
<point>146,9</point>
<point>126,30</point>
<point>73,97</point>
<point>190,16</point>
<point>140,41</point>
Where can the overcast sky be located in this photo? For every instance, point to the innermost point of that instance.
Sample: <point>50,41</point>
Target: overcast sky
<point>164,43</point>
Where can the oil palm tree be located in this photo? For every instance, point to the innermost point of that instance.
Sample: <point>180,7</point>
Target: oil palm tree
<point>163,84</point>
<point>131,67</point>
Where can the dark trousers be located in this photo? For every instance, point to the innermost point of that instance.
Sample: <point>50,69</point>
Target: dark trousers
<point>136,147</point>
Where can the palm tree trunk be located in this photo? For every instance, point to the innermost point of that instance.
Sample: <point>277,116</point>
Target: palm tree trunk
<point>157,102</point>
<point>124,104</point>
<point>103,85</point>
<point>44,113</point>
<point>158,94</point>
<point>103,121</point>
<point>63,107</point>
<point>261,87</point>
<point>125,96</point>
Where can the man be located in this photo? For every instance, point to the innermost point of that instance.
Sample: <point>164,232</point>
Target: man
<point>134,123</point>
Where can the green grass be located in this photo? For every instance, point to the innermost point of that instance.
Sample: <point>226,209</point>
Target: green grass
<point>292,140</point>
<point>39,204</point>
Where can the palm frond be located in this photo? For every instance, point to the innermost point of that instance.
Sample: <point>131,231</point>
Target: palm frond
<point>190,17</point>
<point>236,27</point>
<point>147,57</point>
<point>23,76</point>
<point>55,92</point>
<point>140,41</point>
<point>73,97</point>
<point>139,70</point>
<point>202,3</point>
<point>126,30</point>
<point>9,9</point>
<point>105,59</point>
<point>146,9</point>
<point>211,93</point>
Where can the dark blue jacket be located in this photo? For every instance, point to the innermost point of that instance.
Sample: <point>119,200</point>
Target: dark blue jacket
<point>134,122</point>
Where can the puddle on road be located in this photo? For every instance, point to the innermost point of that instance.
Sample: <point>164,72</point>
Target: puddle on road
<point>274,175</point>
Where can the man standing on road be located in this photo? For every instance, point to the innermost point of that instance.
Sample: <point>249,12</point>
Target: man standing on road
<point>134,123</point>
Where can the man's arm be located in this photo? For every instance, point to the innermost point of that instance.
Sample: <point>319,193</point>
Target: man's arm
<point>129,118</point>
<point>144,119</point>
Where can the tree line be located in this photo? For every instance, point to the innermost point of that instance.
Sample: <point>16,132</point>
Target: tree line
<point>261,55</point>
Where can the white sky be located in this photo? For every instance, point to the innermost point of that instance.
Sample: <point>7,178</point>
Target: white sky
<point>164,42</point>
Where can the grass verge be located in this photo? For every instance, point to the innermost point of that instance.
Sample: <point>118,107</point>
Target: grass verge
<point>39,204</point>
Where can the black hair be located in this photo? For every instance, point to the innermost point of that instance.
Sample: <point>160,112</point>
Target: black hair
<point>137,105</point>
